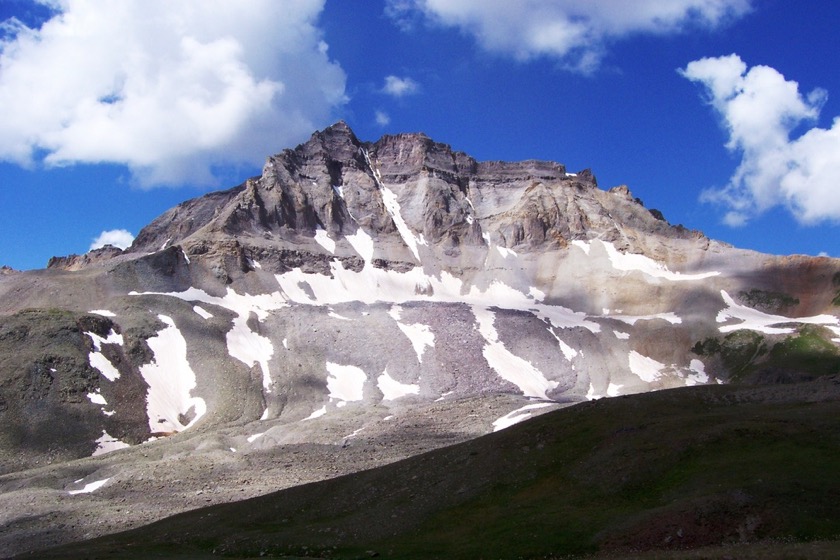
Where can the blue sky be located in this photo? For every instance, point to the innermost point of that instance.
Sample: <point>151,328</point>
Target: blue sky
<point>719,113</point>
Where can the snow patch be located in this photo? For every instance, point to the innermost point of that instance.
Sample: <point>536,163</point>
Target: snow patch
<point>505,252</point>
<point>418,334</point>
<point>518,415</point>
<point>510,367</point>
<point>345,383</point>
<point>568,352</point>
<point>756,320</point>
<point>323,239</point>
<point>648,369</point>
<point>171,380</point>
<point>614,390</point>
<point>362,243</point>
<point>393,389</point>
<point>317,414</point>
<point>89,487</point>
<point>582,245</point>
<point>107,443</point>
<point>621,335</point>
<point>104,365</point>
<point>202,312</point>
<point>393,208</point>
<point>421,337</point>
<point>536,294</point>
<point>354,434</point>
<point>97,398</point>
<point>632,262</point>
<point>335,315</point>
<point>98,360</point>
<point>255,437</point>
<point>371,285</point>
<point>698,374</point>
<point>112,338</point>
<point>103,312</point>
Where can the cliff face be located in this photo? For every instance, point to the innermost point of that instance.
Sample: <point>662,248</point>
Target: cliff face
<point>405,188</point>
<point>397,293</point>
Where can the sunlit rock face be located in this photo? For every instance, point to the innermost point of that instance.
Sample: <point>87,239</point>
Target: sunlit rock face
<point>355,284</point>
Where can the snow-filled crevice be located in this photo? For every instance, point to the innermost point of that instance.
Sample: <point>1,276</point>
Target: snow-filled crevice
<point>171,381</point>
<point>509,366</point>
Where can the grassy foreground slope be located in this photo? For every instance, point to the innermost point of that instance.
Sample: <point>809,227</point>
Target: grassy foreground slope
<point>658,475</point>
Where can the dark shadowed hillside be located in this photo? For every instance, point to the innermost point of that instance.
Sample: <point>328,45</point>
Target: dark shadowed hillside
<point>681,469</point>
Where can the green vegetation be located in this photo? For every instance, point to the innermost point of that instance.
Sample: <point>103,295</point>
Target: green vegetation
<point>738,350</point>
<point>747,354</point>
<point>810,351</point>
<point>713,466</point>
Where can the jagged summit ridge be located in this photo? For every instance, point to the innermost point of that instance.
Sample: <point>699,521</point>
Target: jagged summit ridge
<point>337,183</point>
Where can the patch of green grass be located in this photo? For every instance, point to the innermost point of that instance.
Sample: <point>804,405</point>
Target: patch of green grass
<point>738,350</point>
<point>810,351</point>
<point>686,467</point>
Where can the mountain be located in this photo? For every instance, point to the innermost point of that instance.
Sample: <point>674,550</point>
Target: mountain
<point>357,304</point>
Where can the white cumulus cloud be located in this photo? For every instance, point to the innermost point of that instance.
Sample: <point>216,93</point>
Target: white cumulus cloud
<point>117,237</point>
<point>399,87</point>
<point>574,31</point>
<point>169,89</point>
<point>760,110</point>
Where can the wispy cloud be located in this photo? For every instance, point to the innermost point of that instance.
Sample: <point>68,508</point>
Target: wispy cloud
<point>382,118</point>
<point>168,89</point>
<point>400,87</point>
<point>117,237</point>
<point>574,31</point>
<point>760,110</point>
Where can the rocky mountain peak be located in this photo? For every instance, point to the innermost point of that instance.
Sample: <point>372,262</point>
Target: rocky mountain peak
<point>410,193</point>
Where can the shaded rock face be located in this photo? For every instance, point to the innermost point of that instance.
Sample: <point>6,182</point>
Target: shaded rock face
<point>51,397</point>
<point>395,294</point>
